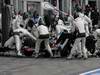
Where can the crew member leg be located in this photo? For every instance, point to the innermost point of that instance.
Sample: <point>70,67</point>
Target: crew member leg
<point>18,44</point>
<point>77,41</point>
<point>48,46</point>
<point>37,46</point>
<point>9,42</point>
<point>84,50</point>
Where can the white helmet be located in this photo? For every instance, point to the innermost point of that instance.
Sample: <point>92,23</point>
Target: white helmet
<point>60,22</point>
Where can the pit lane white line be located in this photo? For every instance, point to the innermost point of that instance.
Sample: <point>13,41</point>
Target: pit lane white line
<point>90,72</point>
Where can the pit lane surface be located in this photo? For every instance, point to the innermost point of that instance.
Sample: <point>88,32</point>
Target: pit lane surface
<point>12,65</point>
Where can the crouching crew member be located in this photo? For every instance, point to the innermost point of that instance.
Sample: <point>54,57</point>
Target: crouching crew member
<point>97,37</point>
<point>43,36</point>
<point>18,34</point>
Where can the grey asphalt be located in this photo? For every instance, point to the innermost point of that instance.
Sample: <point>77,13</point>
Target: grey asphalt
<point>46,66</point>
